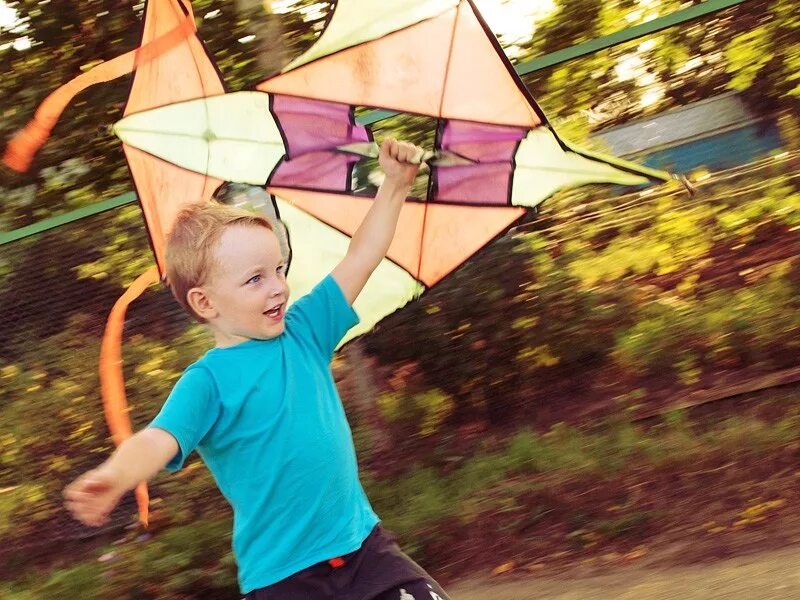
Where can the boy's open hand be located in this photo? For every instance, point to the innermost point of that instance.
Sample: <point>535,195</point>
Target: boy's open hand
<point>93,495</point>
<point>399,161</point>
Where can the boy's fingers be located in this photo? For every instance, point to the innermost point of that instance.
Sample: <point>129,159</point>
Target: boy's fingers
<point>389,146</point>
<point>87,499</point>
<point>417,155</point>
<point>88,515</point>
<point>399,151</point>
<point>403,154</point>
<point>407,152</point>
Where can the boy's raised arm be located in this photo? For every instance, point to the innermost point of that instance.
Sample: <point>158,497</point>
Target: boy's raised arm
<point>371,240</point>
<point>93,495</point>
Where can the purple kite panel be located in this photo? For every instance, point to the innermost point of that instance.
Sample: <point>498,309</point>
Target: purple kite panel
<point>492,147</point>
<point>309,128</point>
<point>324,171</point>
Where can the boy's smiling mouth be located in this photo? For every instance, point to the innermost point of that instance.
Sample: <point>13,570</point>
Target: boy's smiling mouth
<point>276,312</point>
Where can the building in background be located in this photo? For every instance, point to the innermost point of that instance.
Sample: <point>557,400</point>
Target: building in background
<point>713,134</point>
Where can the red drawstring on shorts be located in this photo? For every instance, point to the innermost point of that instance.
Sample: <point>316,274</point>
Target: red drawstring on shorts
<point>337,562</point>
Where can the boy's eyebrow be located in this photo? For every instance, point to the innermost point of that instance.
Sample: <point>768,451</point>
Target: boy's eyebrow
<point>259,267</point>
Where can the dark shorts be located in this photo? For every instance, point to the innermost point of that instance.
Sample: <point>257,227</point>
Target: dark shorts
<point>377,571</point>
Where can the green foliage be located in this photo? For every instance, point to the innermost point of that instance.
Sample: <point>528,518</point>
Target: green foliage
<point>480,487</point>
<point>725,330</point>
<point>424,411</point>
<point>182,562</point>
<point>75,582</point>
<point>746,57</point>
<point>193,558</point>
<point>751,48</point>
<point>634,523</point>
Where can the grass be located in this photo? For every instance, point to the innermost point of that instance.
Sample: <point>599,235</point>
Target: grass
<point>489,482</point>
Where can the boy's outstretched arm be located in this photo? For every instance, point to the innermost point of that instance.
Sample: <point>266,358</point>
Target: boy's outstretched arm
<point>93,495</point>
<point>371,240</point>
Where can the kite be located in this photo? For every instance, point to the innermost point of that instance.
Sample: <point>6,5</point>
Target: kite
<point>295,135</point>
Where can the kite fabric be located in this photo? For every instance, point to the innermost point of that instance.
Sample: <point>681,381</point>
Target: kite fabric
<point>295,136</point>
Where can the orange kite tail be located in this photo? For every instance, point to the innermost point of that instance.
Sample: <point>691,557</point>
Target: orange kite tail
<point>112,382</point>
<point>24,145</point>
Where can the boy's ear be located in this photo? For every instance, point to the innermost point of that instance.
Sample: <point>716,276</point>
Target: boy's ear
<point>201,303</point>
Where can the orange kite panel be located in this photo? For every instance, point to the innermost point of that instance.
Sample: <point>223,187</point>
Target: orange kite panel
<point>445,235</point>
<point>164,189</point>
<point>480,85</point>
<point>358,75</point>
<point>345,213</point>
<point>184,72</point>
<point>181,73</point>
<point>454,232</point>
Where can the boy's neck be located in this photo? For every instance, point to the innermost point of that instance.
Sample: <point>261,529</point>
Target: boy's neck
<point>223,339</point>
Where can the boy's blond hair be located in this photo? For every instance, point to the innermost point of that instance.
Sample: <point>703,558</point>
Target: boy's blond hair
<point>191,244</point>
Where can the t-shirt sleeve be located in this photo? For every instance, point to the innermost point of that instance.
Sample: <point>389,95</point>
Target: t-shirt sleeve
<point>323,315</point>
<point>189,413</point>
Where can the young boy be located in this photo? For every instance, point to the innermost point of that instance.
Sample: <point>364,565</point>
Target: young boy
<point>262,409</point>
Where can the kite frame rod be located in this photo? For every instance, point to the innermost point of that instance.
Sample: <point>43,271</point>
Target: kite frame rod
<point>6,237</point>
<point>548,60</point>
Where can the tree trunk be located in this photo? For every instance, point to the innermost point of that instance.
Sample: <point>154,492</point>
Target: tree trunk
<point>366,395</point>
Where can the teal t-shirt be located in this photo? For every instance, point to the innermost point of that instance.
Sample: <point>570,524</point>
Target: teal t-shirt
<point>267,420</point>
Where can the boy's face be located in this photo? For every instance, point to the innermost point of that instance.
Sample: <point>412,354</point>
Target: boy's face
<point>247,291</point>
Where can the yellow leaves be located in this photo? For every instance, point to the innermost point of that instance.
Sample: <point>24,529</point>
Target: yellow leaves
<point>539,356</point>
<point>504,568</point>
<point>60,464</point>
<point>688,284</point>
<point>436,406</point>
<point>81,431</point>
<point>90,65</point>
<point>389,406</point>
<point>9,371</point>
<point>747,54</point>
<point>428,409</point>
<point>755,513</point>
<point>151,367</point>
<point>636,553</point>
<point>526,322</point>
<point>9,448</point>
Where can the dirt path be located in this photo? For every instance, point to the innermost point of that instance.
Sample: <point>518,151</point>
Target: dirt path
<point>773,575</point>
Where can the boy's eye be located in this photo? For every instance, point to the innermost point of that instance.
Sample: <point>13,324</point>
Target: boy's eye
<point>281,270</point>
<point>254,279</point>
